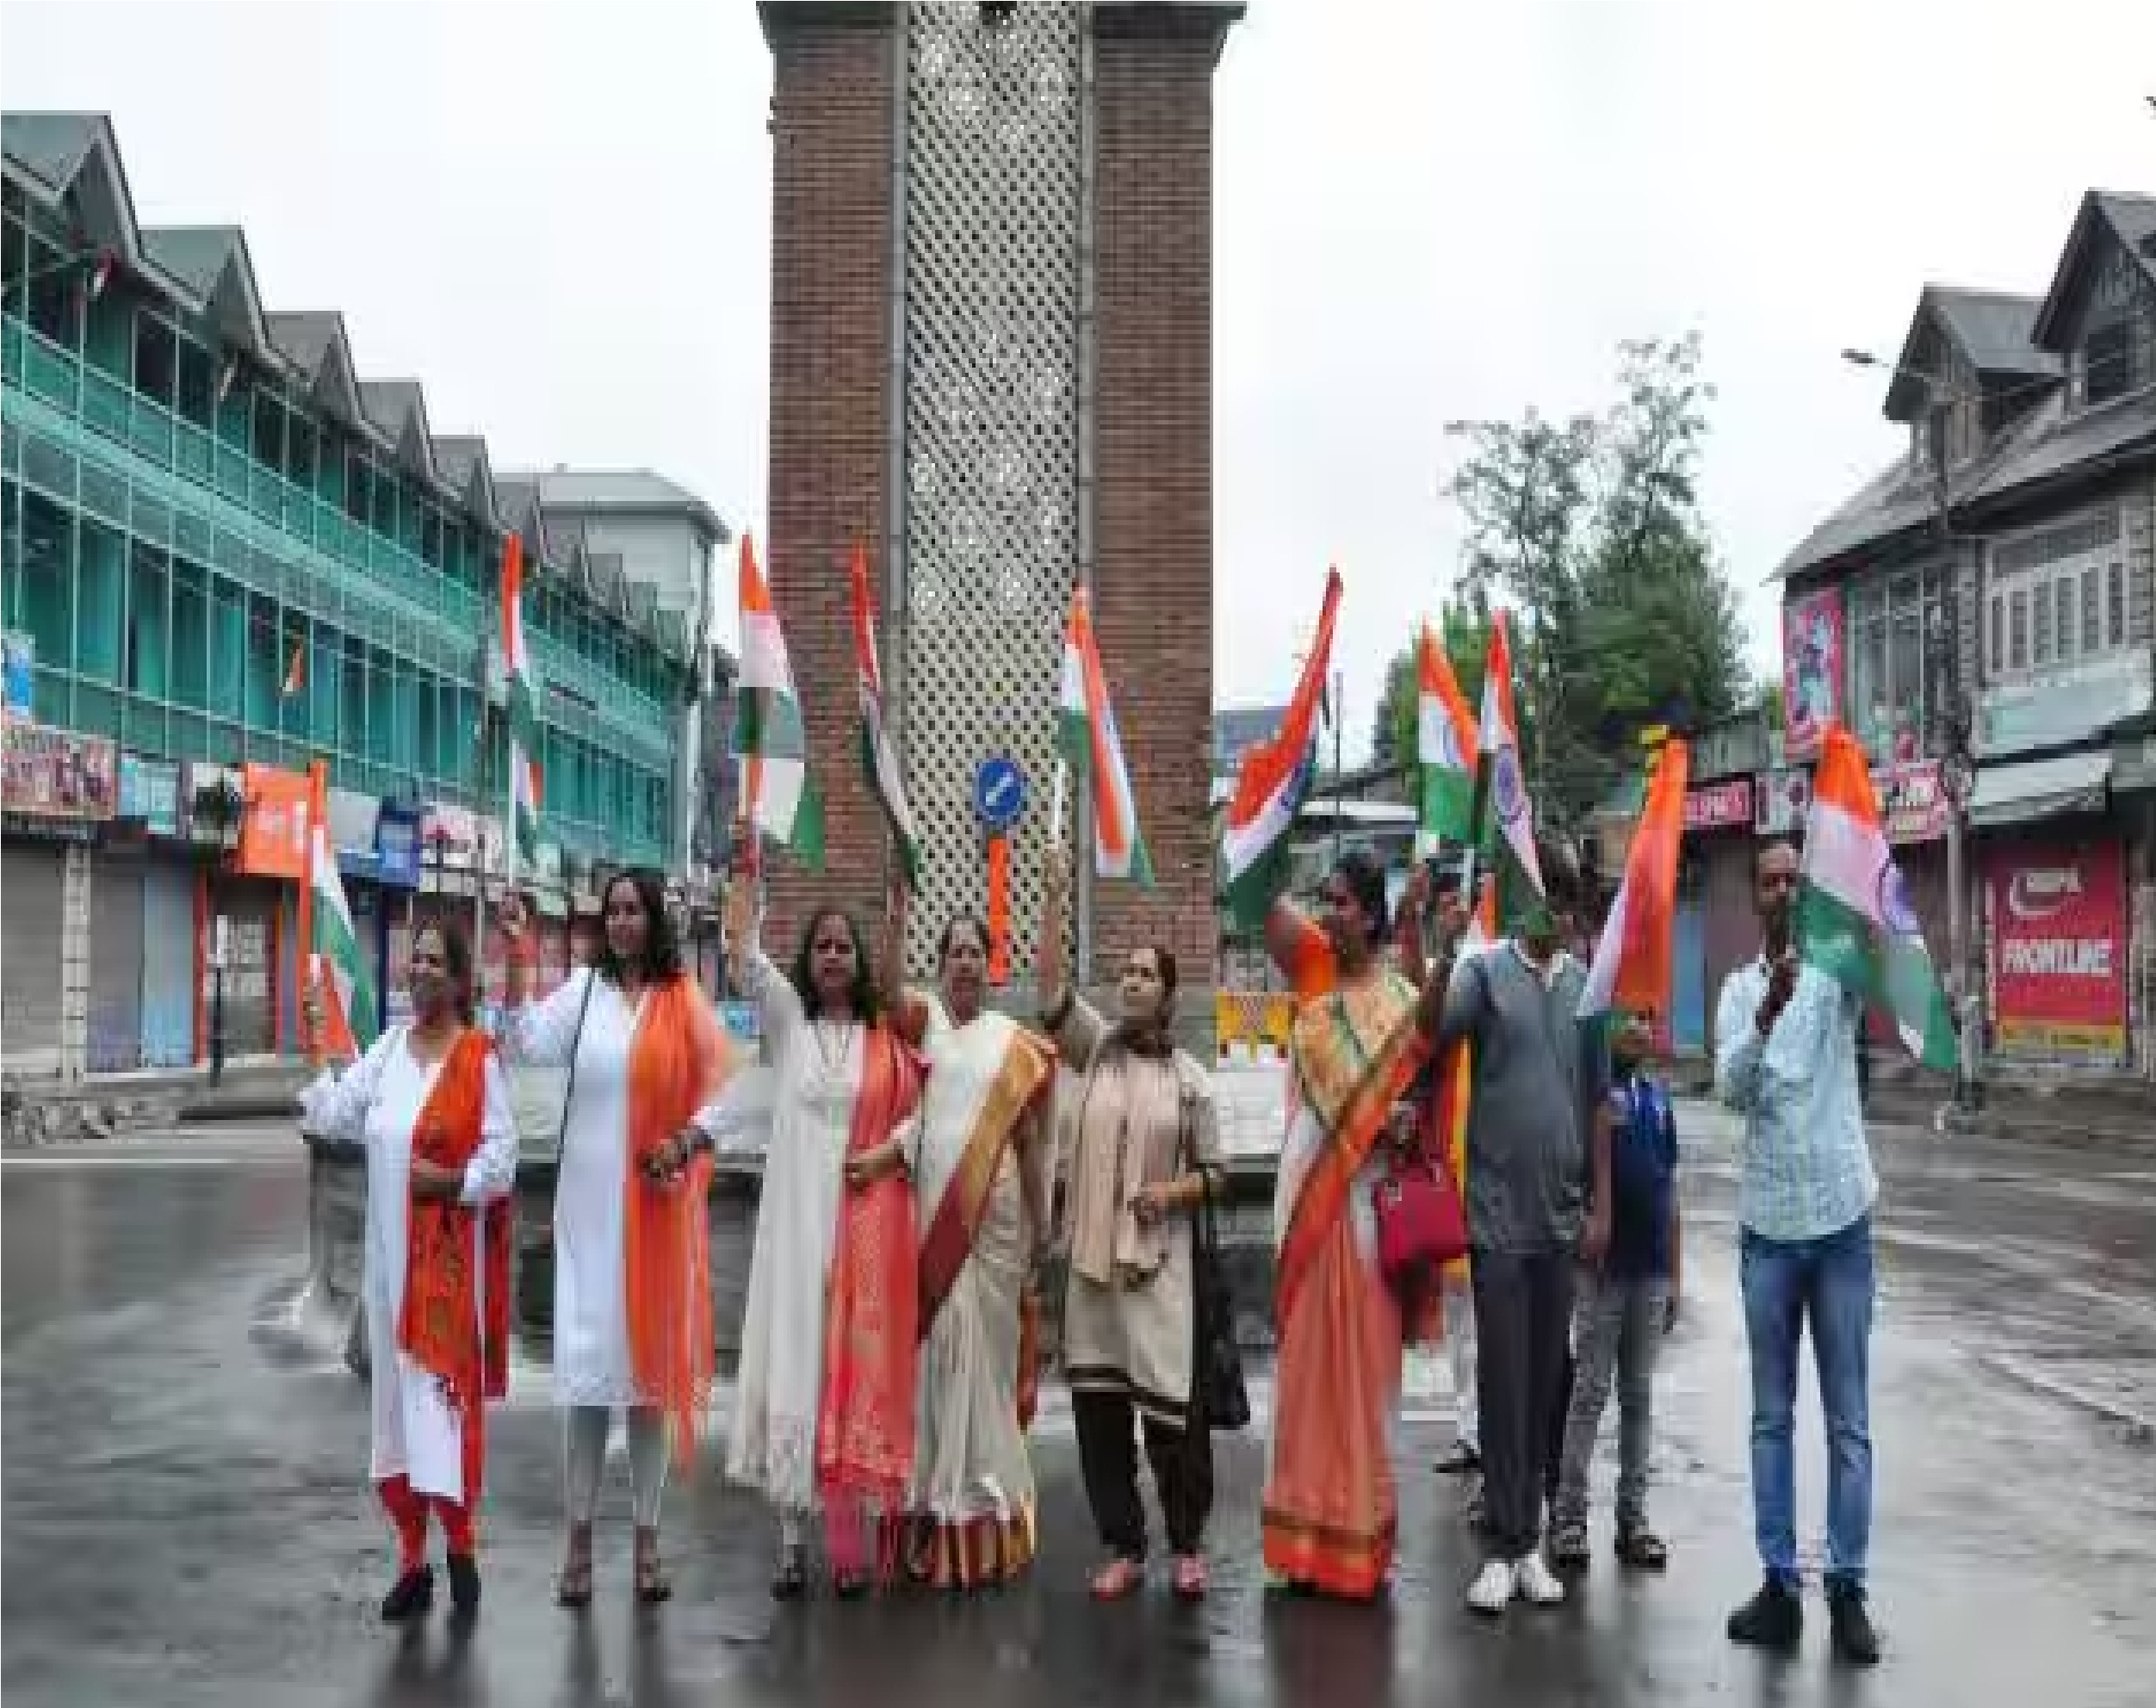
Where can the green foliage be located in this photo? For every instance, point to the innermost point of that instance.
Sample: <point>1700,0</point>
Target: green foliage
<point>1590,531</point>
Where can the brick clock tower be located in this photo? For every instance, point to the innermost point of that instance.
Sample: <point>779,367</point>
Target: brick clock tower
<point>991,359</point>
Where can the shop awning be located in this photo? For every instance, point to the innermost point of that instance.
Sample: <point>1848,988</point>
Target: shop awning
<point>2041,789</point>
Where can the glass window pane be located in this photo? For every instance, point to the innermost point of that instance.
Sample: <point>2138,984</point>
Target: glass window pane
<point>2018,658</point>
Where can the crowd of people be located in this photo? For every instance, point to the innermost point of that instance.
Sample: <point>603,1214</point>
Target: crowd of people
<point>890,1354</point>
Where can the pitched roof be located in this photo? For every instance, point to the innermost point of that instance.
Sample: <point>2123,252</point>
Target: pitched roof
<point>50,144</point>
<point>1991,329</point>
<point>627,491</point>
<point>2129,217</point>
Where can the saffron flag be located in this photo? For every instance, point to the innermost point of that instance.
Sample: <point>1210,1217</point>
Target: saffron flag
<point>1512,813</point>
<point>1445,744</point>
<point>1456,1066</point>
<point>522,701</point>
<point>1853,920</point>
<point>779,796</point>
<point>337,967</point>
<point>886,779</point>
<point>1631,971</point>
<point>1085,733</point>
<point>1273,783</point>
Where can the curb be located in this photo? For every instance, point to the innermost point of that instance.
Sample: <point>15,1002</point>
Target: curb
<point>2138,1429</point>
<point>260,1106</point>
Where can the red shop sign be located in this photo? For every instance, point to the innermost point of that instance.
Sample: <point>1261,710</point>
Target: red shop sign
<point>1718,806</point>
<point>2058,949</point>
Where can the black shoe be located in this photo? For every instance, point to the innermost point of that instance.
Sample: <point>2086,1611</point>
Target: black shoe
<point>410,1596</point>
<point>790,1581</point>
<point>1774,1619</point>
<point>464,1583</point>
<point>1462,1459</point>
<point>1849,1625</point>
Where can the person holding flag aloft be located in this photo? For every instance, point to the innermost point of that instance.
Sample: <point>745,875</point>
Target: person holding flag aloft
<point>1839,930</point>
<point>429,1103</point>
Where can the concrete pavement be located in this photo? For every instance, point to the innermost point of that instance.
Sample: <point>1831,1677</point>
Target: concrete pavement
<point>186,1520</point>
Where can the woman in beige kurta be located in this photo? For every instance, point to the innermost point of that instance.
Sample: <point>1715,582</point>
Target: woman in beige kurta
<point>1146,1151</point>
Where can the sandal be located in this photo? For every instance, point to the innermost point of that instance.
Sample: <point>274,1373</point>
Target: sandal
<point>573,1588</point>
<point>1191,1579</point>
<point>1640,1547</point>
<point>1568,1548</point>
<point>790,1581</point>
<point>653,1585</point>
<point>1117,1579</point>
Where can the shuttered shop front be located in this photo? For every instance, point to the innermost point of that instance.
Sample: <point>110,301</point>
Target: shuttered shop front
<point>116,959</point>
<point>31,900</point>
<point>251,908</point>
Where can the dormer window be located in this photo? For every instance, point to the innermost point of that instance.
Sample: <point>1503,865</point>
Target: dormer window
<point>2117,351</point>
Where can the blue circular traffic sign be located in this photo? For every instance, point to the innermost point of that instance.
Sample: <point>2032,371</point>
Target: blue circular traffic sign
<point>999,792</point>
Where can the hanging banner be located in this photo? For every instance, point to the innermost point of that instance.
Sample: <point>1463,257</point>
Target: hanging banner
<point>57,774</point>
<point>1719,806</point>
<point>2058,949</point>
<point>273,835</point>
<point>1813,670</point>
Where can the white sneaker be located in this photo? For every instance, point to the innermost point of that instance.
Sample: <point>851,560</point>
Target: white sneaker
<point>1492,1592</point>
<point>1537,1582</point>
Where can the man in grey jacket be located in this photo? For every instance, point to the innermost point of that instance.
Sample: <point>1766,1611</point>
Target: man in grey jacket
<point>1537,1079</point>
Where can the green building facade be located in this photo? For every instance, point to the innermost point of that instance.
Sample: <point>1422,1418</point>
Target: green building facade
<point>223,548</point>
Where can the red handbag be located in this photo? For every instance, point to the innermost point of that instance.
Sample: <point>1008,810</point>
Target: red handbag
<point>1421,1223</point>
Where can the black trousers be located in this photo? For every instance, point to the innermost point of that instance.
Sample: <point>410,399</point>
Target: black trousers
<point>1182,1466</point>
<point>1523,1328</point>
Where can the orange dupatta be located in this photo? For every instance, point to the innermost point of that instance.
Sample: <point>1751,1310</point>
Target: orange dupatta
<point>676,1063</point>
<point>438,1325</point>
<point>864,1417</point>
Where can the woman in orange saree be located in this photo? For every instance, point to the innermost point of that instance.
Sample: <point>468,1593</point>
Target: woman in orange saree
<point>1330,1508</point>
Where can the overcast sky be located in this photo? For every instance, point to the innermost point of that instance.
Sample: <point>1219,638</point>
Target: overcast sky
<point>556,217</point>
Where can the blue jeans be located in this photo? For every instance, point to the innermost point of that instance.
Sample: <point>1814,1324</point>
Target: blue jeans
<point>1830,1281</point>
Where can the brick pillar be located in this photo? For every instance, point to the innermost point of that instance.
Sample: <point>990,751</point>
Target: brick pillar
<point>832,117</point>
<point>1153,557</point>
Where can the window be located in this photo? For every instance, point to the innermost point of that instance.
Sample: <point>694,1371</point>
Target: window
<point>2051,579</point>
<point>157,359</point>
<point>1999,633</point>
<point>1888,622</point>
<point>197,390</point>
<point>2118,337</point>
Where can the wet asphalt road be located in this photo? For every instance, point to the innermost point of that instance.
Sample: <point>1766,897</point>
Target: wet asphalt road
<point>186,1520</point>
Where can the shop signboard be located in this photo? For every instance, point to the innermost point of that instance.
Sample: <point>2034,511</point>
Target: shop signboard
<point>2059,943</point>
<point>273,835</point>
<point>150,793</point>
<point>58,776</point>
<point>1718,805</point>
<point>1912,804</point>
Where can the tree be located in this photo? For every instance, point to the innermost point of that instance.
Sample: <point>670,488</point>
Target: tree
<point>1622,614</point>
<point>1464,628</point>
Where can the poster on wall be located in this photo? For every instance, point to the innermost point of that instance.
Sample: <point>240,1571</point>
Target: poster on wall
<point>1811,670</point>
<point>2059,949</point>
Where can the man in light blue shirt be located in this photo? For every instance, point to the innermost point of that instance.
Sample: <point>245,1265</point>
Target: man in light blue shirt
<point>1785,1058</point>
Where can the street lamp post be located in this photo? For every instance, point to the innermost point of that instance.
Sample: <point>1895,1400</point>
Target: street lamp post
<point>224,809</point>
<point>1950,736</point>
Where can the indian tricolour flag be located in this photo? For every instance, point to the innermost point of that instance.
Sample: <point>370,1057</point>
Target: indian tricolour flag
<point>336,965</point>
<point>1444,749</point>
<point>1511,812</point>
<point>779,796</point>
<point>1631,971</point>
<point>1086,734</point>
<point>1274,781</point>
<point>524,704</point>
<point>1854,920</point>
<point>878,758</point>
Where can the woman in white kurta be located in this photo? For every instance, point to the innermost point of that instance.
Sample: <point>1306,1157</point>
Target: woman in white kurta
<point>428,1434</point>
<point>817,1024</point>
<point>594,1026</point>
<point>980,1177</point>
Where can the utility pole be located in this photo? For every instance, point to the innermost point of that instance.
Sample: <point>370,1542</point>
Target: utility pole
<point>1957,775</point>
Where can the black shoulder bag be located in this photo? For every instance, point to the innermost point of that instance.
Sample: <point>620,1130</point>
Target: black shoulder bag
<point>1219,1396</point>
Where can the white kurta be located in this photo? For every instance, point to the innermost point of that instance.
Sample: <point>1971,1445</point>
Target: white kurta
<point>780,1380</point>
<point>591,1365</point>
<point>376,1102</point>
